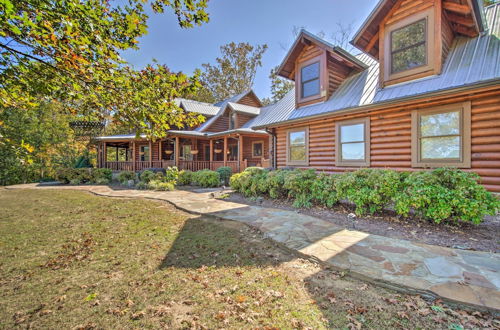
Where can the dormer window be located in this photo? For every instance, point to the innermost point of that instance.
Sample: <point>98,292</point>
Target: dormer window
<point>309,82</point>
<point>408,47</point>
<point>232,120</point>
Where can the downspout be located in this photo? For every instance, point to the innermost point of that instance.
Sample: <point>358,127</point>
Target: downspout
<point>272,132</point>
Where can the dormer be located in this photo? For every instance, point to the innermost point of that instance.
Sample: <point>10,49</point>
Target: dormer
<point>317,67</point>
<point>411,38</point>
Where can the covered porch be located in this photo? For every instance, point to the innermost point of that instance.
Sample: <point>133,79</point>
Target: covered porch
<point>185,151</point>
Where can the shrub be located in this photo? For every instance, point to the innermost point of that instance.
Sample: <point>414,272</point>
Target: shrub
<point>82,175</point>
<point>75,181</point>
<point>83,161</point>
<point>370,190</point>
<point>206,178</point>
<point>298,183</point>
<point>276,182</point>
<point>103,181</point>
<point>323,190</point>
<point>141,185</point>
<point>125,176</point>
<point>161,185</point>
<point>185,177</point>
<point>241,182</point>
<point>146,176</point>
<point>225,174</point>
<point>446,194</point>
<point>101,175</point>
<point>171,174</point>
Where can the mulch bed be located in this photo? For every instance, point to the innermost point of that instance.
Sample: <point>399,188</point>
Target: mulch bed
<point>483,237</point>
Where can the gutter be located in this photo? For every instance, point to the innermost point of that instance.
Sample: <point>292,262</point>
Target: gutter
<point>362,108</point>
<point>274,142</point>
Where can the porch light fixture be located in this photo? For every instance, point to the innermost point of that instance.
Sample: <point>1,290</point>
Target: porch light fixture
<point>169,152</point>
<point>194,152</point>
<point>217,151</point>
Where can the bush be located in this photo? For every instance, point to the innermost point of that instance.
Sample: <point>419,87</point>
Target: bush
<point>241,182</point>
<point>276,183</point>
<point>444,194</point>
<point>102,181</point>
<point>206,178</point>
<point>161,185</point>
<point>125,176</point>
<point>83,161</point>
<point>323,190</point>
<point>83,175</point>
<point>146,176</point>
<point>298,183</point>
<point>185,177</point>
<point>370,190</point>
<point>225,174</point>
<point>101,175</point>
<point>75,181</point>
<point>171,174</point>
<point>142,185</point>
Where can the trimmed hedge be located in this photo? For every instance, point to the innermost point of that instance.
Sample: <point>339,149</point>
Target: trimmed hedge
<point>205,178</point>
<point>438,195</point>
<point>84,175</point>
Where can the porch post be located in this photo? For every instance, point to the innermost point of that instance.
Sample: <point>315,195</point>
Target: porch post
<point>105,155</point>
<point>160,156</point>
<point>99,155</point>
<point>150,154</point>
<point>176,147</point>
<point>116,154</point>
<point>133,155</point>
<point>225,150</point>
<point>211,151</point>
<point>240,152</point>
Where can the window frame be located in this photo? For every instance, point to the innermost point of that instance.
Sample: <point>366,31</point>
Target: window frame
<point>318,78</point>
<point>464,161</point>
<point>142,153</point>
<point>338,144</point>
<point>321,59</point>
<point>233,117</point>
<point>425,43</point>
<point>430,43</point>
<point>253,149</point>
<point>290,162</point>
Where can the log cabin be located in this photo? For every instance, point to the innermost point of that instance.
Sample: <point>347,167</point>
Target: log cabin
<point>424,92</point>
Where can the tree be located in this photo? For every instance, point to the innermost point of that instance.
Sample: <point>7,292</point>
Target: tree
<point>233,73</point>
<point>70,50</point>
<point>279,87</point>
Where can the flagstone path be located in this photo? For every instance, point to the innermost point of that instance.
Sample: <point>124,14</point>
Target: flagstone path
<point>459,276</point>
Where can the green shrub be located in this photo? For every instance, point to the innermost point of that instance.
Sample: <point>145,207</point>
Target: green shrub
<point>102,181</point>
<point>298,183</point>
<point>242,182</point>
<point>101,174</point>
<point>323,190</point>
<point>142,185</point>
<point>147,176</point>
<point>370,190</point>
<point>125,176</point>
<point>206,178</point>
<point>276,182</point>
<point>171,174</point>
<point>446,194</point>
<point>185,177</point>
<point>83,161</point>
<point>225,174</point>
<point>161,185</point>
<point>75,181</point>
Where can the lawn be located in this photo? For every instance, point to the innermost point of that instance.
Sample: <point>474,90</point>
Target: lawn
<point>70,259</point>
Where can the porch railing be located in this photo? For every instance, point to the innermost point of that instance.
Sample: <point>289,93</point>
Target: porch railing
<point>235,166</point>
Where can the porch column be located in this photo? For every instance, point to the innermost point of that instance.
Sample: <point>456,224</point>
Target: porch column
<point>211,151</point>
<point>150,154</point>
<point>160,156</point>
<point>240,152</point>
<point>99,155</point>
<point>225,150</point>
<point>116,154</point>
<point>133,155</point>
<point>105,154</point>
<point>177,153</point>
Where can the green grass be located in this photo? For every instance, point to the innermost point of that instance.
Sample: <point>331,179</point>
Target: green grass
<point>70,259</point>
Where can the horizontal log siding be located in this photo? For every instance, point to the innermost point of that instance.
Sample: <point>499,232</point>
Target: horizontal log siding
<point>250,100</point>
<point>390,139</point>
<point>242,119</point>
<point>247,148</point>
<point>219,125</point>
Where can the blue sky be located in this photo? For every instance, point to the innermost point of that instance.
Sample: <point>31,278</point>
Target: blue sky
<point>254,21</point>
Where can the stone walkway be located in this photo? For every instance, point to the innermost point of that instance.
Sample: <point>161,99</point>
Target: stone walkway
<point>465,277</point>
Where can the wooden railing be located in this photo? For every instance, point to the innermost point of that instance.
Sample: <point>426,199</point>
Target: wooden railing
<point>183,165</point>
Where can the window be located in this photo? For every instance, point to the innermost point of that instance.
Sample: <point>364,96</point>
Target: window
<point>297,146</point>
<point>353,142</point>
<point>232,120</point>
<point>144,153</point>
<point>310,80</point>
<point>232,152</point>
<point>408,46</point>
<point>441,136</point>
<point>257,149</point>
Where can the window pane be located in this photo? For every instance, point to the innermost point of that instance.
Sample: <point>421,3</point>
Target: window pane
<point>352,133</point>
<point>353,151</point>
<point>298,138</point>
<point>298,153</point>
<point>310,88</point>
<point>441,147</point>
<point>409,58</point>
<point>310,72</point>
<point>408,35</point>
<point>257,149</point>
<point>447,123</point>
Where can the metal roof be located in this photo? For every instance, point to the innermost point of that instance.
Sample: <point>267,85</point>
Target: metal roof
<point>203,108</point>
<point>470,61</point>
<point>244,108</point>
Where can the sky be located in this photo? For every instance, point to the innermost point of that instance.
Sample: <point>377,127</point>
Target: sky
<point>268,22</point>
